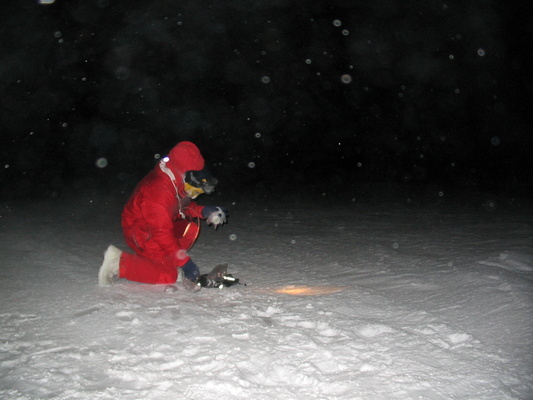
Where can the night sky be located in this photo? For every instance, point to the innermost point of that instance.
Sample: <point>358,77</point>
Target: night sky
<point>324,94</point>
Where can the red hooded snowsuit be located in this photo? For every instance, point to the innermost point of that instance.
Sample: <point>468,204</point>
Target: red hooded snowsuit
<point>157,220</point>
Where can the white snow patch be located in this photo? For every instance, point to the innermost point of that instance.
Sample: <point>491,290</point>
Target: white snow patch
<point>370,331</point>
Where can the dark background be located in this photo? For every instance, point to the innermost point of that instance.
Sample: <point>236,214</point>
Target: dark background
<point>279,95</point>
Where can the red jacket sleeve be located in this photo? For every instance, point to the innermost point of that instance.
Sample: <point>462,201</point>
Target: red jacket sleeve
<point>194,210</point>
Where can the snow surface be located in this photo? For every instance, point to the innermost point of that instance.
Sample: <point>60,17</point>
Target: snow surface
<point>398,302</point>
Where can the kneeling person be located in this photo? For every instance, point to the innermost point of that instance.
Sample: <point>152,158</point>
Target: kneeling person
<point>159,221</point>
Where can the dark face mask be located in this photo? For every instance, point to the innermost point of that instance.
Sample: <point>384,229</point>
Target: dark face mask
<point>201,180</point>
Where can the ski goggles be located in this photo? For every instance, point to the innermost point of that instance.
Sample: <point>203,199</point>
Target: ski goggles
<point>198,182</point>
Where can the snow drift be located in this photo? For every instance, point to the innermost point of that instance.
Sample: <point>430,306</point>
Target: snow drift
<point>351,300</point>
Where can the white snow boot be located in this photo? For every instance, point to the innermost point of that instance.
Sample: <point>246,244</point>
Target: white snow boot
<point>109,270</point>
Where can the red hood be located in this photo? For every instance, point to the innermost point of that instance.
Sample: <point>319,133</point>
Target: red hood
<point>183,157</point>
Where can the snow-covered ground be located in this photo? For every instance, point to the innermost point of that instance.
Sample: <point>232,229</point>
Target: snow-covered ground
<point>388,301</point>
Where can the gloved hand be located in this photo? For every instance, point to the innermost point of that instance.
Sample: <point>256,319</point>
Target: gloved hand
<point>215,215</point>
<point>190,271</point>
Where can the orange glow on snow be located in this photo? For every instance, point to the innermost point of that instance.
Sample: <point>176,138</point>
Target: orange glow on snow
<point>309,290</point>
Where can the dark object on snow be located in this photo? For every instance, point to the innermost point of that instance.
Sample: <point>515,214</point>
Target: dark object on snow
<point>218,278</point>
